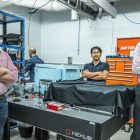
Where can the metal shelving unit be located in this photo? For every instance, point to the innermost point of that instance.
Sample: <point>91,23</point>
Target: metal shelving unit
<point>5,20</point>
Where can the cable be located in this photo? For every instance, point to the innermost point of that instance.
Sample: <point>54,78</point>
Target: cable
<point>79,27</point>
<point>34,10</point>
<point>43,5</point>
<point>112,34</point>
<point>29,31</point>
<point>126,16</point>
<point>34,3</point>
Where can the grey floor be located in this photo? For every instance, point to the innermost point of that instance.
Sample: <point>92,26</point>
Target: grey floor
<point>120,135</point>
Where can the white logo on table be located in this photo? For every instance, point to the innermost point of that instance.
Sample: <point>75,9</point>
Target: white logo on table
<point>78,135</point>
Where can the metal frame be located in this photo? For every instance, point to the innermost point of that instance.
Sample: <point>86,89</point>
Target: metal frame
<point>90,8</point>
<point>104,4</point>
<point>4,23</point>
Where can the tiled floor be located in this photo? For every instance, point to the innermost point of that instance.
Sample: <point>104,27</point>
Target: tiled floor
<point>120,135</point>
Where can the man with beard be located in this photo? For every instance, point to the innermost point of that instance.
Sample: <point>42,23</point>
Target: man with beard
<point>96,70</point>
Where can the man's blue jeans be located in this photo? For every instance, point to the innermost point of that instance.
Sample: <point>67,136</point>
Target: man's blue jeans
<point>3,115</point>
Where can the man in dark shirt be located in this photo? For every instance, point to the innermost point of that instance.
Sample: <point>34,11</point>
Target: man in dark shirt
<point>40,134</point>
<point>34,59</point>
<point>96,70</point>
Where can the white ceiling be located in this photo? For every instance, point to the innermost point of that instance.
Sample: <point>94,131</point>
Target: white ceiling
<point>48,5</point>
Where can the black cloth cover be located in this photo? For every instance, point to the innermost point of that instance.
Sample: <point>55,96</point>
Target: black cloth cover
<point>92,94</point>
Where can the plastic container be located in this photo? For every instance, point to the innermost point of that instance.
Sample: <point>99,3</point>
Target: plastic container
<point>25,132</point>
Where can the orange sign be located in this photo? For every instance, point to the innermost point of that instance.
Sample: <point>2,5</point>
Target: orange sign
<point>127,45</point>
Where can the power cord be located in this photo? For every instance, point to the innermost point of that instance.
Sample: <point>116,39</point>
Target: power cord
<point>34,3</point>
<point>34,10</point>
<point>126,16</point>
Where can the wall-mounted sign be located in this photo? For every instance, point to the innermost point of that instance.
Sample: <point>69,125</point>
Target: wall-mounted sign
<point>126,46</point>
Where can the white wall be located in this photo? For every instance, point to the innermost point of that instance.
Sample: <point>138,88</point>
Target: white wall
<point>35,28</point>
<point>55,36</point>
<point>59,35</point>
